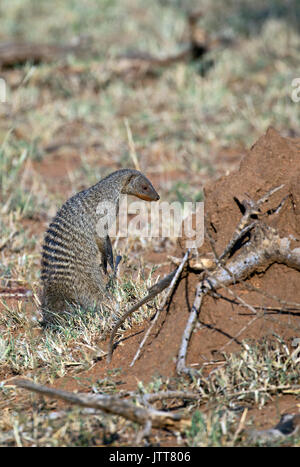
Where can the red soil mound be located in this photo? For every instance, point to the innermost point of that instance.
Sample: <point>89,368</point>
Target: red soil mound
<point>272,161</point>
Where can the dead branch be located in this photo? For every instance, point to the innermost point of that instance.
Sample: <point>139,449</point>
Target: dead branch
<point>289,425</point>
<point>286,305</point>
<point>264,248</point>
<point>137,63</point>
<point>117,406</point>
<point>181,367</point>
<point>20,292</point>
<point>153,291</point>
<point>168,294</point>
<point>170,280</point>
<point>144,432</point>
<point>198,45</point>
<point>251,208</point>
<point>15,53</point>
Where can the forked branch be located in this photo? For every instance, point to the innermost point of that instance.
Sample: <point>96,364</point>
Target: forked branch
<point>117,406</point>
<point>264,248</point>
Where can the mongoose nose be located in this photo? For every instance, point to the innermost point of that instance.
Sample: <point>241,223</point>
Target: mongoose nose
<point>154,195</point>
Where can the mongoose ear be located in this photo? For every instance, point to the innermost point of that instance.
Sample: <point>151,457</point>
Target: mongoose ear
<point>130,178</point>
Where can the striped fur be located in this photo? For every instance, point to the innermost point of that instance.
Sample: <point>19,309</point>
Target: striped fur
<point>72,252</point>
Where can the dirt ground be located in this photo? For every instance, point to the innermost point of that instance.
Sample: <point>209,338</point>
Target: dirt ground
<point>272,161</point>
<point>188,125</point>
<point>222,325</point>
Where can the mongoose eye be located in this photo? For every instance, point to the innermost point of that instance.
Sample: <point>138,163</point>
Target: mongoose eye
<point>145,188</point>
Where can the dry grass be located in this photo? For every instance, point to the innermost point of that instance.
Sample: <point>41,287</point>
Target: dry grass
<point>182,123</point>
<point>222,417</point>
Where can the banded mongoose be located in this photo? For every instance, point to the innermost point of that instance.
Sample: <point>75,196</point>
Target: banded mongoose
<point>73,252</point>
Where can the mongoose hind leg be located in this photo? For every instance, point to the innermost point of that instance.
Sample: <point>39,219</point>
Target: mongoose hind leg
<point>55,307</point>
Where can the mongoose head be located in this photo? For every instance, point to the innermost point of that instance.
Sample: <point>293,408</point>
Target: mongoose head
<point>138,185</point>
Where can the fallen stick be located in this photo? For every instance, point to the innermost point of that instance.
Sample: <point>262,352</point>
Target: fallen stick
<point>15,293</point>
<point>153,291</point>
<point>115,405</point>
<point>289,425</point>
<point>169,292</point>
<point>264,248</point>
<point>181,367</point>
<point>13,53</point>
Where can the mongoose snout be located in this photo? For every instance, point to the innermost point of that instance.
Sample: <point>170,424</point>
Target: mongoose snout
<point>74,257</point>
<point>141,187</point>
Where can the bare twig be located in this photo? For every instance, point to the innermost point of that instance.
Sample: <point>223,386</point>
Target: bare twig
<point>234,338</point>
<point>285,303</point>
<point>166,298</point>
<point>146,416</point>
<point>12,53</point>
<point>264,248</point>
<point>153,291</point>
<point>238,235</point>
<point>144,432</point>
<point>289,425</point>
<point>251,208</point>
<point>15,293</point>
<point>181,362</point>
